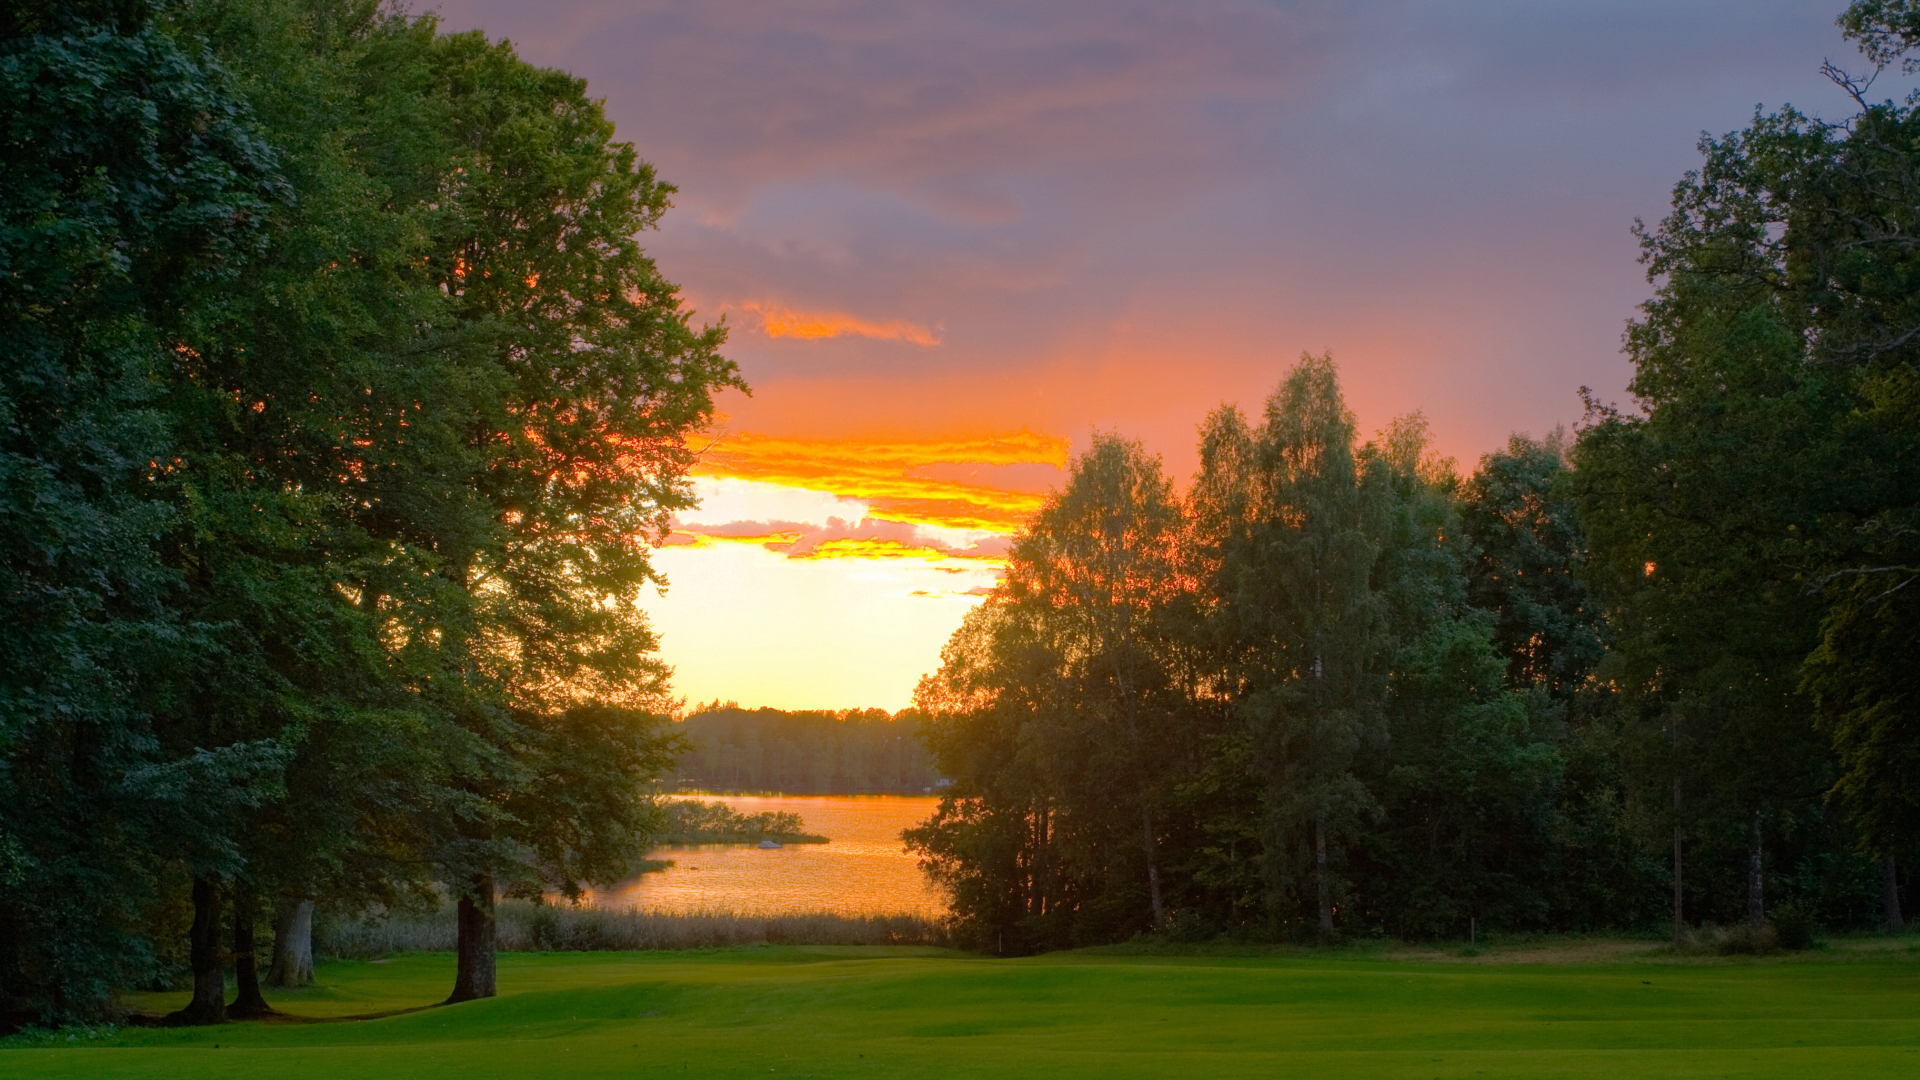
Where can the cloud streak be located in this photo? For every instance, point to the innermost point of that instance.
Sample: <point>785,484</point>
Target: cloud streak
<point>870,539</point>
<point>777,321</point>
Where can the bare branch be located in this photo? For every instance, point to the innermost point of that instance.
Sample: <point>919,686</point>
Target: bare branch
<point>1824,580</point>
<point>1855,87</point>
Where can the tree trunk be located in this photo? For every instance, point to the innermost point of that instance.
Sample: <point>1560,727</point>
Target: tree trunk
<point>1043,864</point>
<point>1890,895</point>
<point>474,971</point>
<point>292,943</point>
<point>1153,869</point>
<point>209,1003</point>
<point>250,1004</point>
<point>1756,883</point>
<point>1320,875</point>
<point>1679,896</point>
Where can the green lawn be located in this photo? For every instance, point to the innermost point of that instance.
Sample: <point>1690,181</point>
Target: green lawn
<point>879,1012</point>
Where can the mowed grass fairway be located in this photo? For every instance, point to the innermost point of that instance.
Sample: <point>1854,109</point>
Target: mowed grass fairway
<point>888,1012</point>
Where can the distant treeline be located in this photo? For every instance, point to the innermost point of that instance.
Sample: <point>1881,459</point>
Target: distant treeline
<point>817,752</point>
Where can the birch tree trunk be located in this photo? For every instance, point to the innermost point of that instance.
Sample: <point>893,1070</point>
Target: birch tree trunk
<point>1320,875</point>
<point>1890,895</point>
<point>1153,869</point>
<point>1756,881</point>
<point>292,943</point>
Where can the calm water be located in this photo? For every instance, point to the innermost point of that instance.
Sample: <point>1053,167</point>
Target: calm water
<point>864,870</point>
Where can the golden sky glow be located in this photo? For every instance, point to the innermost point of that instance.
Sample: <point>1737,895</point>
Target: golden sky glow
<point>745,623</point>
<point>826,572</point>
<point>898,479</point>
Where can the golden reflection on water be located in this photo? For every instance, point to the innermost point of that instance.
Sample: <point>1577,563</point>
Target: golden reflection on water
<point>864,870</point>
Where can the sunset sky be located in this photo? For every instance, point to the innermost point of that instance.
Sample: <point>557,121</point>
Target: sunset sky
<point>954,240</point>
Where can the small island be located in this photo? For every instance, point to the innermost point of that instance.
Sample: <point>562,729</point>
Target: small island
<point>692,821</point>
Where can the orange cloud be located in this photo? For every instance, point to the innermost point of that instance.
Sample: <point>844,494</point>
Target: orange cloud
<point>856,548</point>
<point>904,480</point>
<point>698,536</point>
<point>777,321</point>
<point>872,538</point>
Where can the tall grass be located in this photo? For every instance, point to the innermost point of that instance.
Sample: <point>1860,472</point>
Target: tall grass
<point>528,927</point>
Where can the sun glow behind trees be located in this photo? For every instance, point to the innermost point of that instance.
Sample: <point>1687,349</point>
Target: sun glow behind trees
<point>826,573</point>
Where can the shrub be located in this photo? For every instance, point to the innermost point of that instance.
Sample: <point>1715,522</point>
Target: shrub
<point>1746,938</point>
<point>1794,926</point>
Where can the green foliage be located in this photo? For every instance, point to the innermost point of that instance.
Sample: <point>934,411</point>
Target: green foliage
<point>1325,737</point>
<point>1752,525</point>
<point>1306,623</point>
<point>133,188</point>
<point>1528,568</point>
<point>693,821</point>
<point>1060,716</point>
<point>342,404</point>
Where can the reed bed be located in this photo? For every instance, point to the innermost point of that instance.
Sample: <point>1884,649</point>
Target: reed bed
<point>524,926</point>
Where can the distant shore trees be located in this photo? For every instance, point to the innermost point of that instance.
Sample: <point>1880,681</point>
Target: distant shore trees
<point>340,407</point>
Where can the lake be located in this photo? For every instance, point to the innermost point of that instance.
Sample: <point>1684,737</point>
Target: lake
<point>864,869</point>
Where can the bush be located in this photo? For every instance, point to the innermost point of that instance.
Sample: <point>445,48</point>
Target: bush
<point>1746,939</point>
<point>1794,926</point>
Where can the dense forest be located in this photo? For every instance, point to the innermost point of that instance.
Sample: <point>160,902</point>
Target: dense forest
<point>1664,671</point>
<point>848,752</point>
<point>339,408</point>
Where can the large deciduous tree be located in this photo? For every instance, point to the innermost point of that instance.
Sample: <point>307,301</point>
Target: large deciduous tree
<point>1297,592</point>
<point>593,377</point>
<point>1760,508</point>
<point>1058,713</point>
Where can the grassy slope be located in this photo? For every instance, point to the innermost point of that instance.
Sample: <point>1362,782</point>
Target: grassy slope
<point>888,1012</point>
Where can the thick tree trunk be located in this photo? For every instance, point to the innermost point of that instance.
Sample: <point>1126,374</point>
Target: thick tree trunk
<point>1756,882</point>
<point>474,969</point>
<point>209,1004</point>
<point>292,943</point>
<point>250,1004</point>
<point>1153,869</point>
<point>1321,884</point>
<point>1890,895</point>
<point>1679,895</point>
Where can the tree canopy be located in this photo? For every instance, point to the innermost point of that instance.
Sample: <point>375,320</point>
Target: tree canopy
<point>342,407</point>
